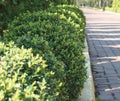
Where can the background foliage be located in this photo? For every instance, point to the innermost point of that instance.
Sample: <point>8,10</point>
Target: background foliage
<point>116,5</point>
<point>112,5</point>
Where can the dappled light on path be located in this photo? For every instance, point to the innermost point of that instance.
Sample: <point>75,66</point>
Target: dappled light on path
<point>103,36</point>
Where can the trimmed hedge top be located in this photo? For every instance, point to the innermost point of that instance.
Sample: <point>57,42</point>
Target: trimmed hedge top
<point>11,8</point>
<point>58,35</point>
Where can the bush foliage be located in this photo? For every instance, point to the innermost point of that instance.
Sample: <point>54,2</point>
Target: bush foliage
<point>11,8</point>
<point>57,34</point>
<point>27,77</point>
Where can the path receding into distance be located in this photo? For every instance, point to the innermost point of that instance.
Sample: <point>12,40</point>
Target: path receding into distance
<point>103,36</point>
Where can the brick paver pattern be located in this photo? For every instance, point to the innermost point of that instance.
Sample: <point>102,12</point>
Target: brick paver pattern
<point>103,36</point>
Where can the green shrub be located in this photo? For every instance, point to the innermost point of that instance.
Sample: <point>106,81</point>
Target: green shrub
<point>25,77</point>
<point>41,46</point>
<point>74,9</point>
<point>64,34</point>
<point>11,8</point>
<point>71,12</point>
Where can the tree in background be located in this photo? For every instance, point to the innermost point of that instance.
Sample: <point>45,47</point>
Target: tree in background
<point>98,3</point>
<point>116,5</point>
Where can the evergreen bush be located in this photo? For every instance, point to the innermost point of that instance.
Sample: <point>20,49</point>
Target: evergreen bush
<point>11,8</point>
<point>27,77</point>
<point>58,31</point>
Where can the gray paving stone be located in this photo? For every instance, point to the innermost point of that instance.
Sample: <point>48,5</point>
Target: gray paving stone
<point>103,36</point>
<point>110,72</point>
<point>106,97</point>
<point>99,75</point>
<point>111,75</point>
<point>117,96</point>
<point>101,82</point>
<point>114,81</point>
<point>100,88</point>
<point>107,65</point>
<point>116,65</point>
<point>115,85</point>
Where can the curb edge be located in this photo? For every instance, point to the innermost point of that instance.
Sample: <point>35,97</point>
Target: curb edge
<point>87,93</point>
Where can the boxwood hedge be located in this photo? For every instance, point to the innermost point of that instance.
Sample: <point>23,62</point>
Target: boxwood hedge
<point>62,30</point>
<point>11,8</point>
<point>27,77</point>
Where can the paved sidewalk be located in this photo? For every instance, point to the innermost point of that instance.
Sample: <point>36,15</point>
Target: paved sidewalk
<point>103,35</point>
